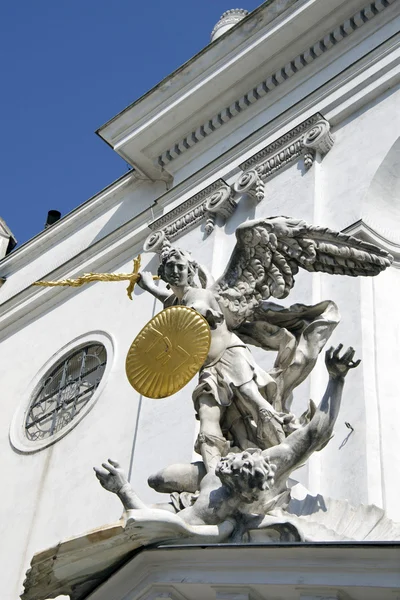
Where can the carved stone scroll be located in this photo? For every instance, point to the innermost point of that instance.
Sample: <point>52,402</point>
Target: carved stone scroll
<point>250,182</point>
<point>317,139</point>
<point>155,242</point>
<point>220,203</point>
<point>216,199</point>
<point>311,136</point>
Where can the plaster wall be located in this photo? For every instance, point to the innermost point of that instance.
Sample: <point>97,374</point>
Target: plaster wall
<point>123,201</point>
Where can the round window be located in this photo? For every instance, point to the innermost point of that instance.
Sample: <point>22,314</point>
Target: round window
<point>63,392</point>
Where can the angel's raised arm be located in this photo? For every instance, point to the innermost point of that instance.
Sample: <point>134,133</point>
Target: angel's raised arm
<point>146,282</point>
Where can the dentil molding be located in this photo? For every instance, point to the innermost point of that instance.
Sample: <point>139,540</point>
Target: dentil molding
<point>312,53</point>
<point>305,141</point>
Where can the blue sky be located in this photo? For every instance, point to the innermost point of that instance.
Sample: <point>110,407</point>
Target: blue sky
<point>67,67</point>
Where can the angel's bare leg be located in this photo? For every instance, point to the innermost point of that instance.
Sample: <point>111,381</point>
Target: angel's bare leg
<point>239,427</point>
<point>211,442</point>
<point>269,424</point>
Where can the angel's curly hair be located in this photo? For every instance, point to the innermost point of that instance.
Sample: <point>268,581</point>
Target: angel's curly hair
<point>254,475</point>
<point>170,253</point>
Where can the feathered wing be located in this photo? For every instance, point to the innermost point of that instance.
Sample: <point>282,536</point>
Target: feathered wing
<point>269,252</point>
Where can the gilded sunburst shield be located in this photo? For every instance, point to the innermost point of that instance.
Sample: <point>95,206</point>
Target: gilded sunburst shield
<point>168,352</point>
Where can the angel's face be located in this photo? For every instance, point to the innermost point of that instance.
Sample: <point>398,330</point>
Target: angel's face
<point>176,272</point>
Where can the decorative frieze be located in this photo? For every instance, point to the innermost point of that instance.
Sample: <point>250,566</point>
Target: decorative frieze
<point>218,199</point>
<point>283,150</point>
<point>320,47</point>
<point>215,200</point>
<point>311,136</point>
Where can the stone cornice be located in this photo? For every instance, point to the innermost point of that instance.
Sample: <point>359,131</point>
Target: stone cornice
<point>365,231</point>
<point>218,199</point>
<point>279,570</point>
<point>190,100</point>
<point>124,243</point>
<point>278,77</point>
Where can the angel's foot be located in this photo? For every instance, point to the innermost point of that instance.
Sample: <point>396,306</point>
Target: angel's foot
<point>270,430</point>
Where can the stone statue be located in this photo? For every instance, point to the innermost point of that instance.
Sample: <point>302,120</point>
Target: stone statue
<point>243,484</point>
<point>249,440</point>
<point>238,404</point>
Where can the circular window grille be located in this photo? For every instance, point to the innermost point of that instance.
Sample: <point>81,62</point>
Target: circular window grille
<point>65,391</point>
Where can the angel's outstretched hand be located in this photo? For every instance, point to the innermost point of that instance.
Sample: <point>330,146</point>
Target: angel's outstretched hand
<point>337,366</point>
<point>111,476</point>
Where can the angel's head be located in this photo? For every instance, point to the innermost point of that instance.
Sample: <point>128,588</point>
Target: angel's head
<point>247,473</point>
<point>177,268</point>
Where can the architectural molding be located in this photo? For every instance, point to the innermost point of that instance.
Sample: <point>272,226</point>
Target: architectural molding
<point>275,571</point>
<point>110,251</point>
<point>366,232</point>
<point>318,140</point>
<point>223,592</point>
<point>210,202</point>
<point>321,594</point>
<point>284,149</point>
<point>162,592</point>
<point>308,138</point>
<point>312,53</point>
<point>220,203</point>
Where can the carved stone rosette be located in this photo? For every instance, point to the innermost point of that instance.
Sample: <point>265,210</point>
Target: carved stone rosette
<point>156,242</point>
<point>317,139</point>
<point>251,183</point>
<point>219,203</point>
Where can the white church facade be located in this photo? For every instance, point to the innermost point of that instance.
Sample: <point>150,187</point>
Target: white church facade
<point>291,110</point>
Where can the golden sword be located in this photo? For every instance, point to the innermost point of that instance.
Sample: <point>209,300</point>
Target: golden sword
<point>133,278</point>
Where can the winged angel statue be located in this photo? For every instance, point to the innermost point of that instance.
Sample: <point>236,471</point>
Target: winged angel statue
<point>239,404</point>
<point>249,440</point>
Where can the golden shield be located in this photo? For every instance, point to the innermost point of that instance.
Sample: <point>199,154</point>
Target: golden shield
<point>168,352</point>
